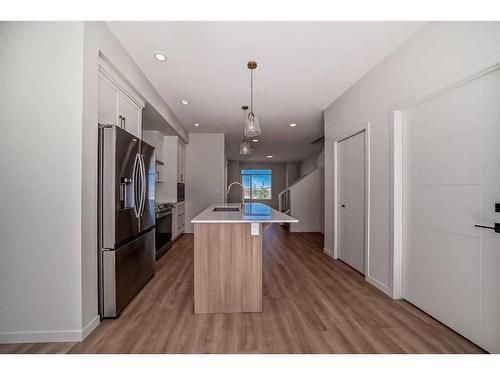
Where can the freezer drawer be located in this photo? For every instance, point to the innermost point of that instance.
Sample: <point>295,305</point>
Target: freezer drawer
<point>125,271</point>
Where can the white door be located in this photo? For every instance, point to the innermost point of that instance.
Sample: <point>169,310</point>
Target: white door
<point>451,181</point>
<point>351,203</point>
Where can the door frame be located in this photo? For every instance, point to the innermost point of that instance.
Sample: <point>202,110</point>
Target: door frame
<point>366,129</point>
<point>396,118</point>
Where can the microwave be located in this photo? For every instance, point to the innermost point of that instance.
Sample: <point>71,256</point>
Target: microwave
<point>180,192</point>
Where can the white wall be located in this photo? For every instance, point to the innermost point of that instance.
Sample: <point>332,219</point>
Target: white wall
<point>309,164</point>
<point>40,190</point>
<point>292,172</point>
<point>307,205</point>
<point>436,53</point>
<point>205,175</point>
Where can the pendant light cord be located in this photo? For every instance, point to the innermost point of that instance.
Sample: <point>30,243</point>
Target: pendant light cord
<point>251,90</point>
<point>244,119</point>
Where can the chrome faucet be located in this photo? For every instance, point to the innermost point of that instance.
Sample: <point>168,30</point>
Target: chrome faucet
<point>242,192</point>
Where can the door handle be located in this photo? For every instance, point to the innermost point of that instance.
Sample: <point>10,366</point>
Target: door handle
<point>136,185</point>
<point>496,227</point>
<point>143,184</point>
<point>343,205</point>
<point>141,191</point>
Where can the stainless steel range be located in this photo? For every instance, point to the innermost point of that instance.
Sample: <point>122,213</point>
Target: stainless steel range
<point>163,228</point>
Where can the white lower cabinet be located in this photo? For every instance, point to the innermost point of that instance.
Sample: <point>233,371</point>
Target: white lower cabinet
<point>178,220</point>
<point>174,224</point>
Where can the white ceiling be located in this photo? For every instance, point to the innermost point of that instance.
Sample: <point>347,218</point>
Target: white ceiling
<point>302,68</point>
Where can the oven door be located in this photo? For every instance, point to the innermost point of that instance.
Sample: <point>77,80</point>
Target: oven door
<point>163,233</point>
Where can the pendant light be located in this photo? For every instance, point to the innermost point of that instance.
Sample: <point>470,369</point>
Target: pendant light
<point>252,127</point>
<point>245,147</point>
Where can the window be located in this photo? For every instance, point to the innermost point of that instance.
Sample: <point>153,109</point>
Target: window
<point>256,183</point>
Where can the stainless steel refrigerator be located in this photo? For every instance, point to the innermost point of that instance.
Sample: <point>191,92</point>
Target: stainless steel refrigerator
<point>126,215</point>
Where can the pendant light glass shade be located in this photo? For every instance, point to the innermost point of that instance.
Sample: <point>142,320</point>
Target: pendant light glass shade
<point>252,127</point>
<point>245,148</point>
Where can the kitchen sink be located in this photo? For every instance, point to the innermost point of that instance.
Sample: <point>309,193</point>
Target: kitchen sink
<point>227,208</point>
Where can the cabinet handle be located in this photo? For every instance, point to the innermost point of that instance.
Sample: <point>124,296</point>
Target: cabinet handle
<point>495,227</point>
<point>124,122</point>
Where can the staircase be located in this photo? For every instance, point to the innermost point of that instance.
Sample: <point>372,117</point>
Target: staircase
<point>284,201</point>
<point>303,200</point>
<point>284,205</point>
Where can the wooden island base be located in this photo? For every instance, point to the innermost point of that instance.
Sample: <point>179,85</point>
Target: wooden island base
<point>227,268</point>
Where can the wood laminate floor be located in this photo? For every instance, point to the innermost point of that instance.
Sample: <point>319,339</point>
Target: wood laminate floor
<point>312,304</point>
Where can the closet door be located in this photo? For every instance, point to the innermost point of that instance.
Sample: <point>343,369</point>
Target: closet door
<point>352,201</point>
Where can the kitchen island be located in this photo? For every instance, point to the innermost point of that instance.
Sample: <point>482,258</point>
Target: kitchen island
<point>228,256</point>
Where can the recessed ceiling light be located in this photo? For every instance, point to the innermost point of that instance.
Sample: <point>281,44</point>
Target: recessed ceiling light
<point>196,124</point>
<point>255,140</point>
<point>184,101</point>
<point>293,125</point>
<point>160,56</point>
<point>269,156</point>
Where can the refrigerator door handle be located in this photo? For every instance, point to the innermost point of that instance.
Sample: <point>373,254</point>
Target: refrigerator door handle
<point>137,163</point>
<point>143,184</point>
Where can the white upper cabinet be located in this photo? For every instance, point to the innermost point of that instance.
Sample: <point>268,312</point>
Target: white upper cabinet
<point>108,99</point>
<point>118,103</point>
<point>129,115</point>
<point>174,169</point>
<point>181,161</point>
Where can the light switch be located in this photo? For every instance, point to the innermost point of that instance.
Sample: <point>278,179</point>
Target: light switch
<point>254,229</point>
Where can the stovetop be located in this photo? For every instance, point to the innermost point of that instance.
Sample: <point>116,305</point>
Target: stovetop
<point>162,206</point>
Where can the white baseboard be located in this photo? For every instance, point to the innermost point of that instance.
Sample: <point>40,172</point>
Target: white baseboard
<point>90,326</point>
<point>328,252</point>
<point>379,285</point>
<point>39,336</point>
<point>304,229</point>
<point>369,279</point>
<point>48,336</point>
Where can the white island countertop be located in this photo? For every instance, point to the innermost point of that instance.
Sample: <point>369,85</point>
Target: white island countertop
<point>252,213</point>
